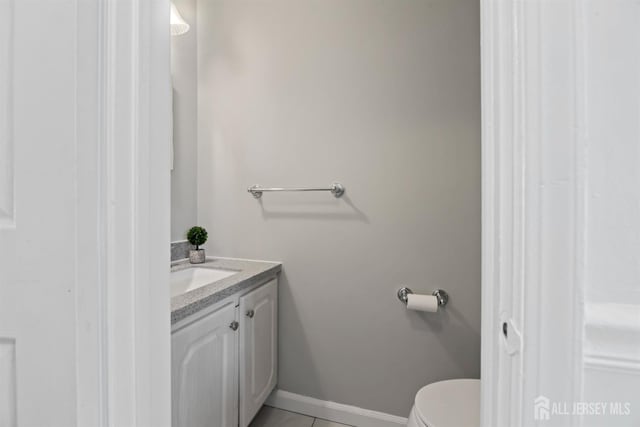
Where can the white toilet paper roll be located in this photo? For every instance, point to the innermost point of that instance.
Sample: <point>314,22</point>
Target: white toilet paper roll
<point>428,303</point>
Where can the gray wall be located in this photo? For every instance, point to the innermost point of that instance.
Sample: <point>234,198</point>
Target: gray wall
<point>185,90</point>
<point>383,96</point>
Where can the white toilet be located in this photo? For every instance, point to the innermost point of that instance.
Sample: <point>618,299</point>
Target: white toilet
<point>452,403</point>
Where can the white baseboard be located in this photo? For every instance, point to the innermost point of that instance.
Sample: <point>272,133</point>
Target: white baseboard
<point>336,412</point>
<point>612,332</point>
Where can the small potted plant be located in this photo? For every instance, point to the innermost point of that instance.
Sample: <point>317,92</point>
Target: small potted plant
<point>197,236</point>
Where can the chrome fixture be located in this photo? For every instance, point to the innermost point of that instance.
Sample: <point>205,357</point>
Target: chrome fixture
<point>234,325</point>
<point>250,314</point>
<point>403,294</point>
<point>443,297</point>
<point>336,189</point>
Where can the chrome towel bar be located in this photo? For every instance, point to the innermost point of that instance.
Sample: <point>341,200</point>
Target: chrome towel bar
<point>336,189</point>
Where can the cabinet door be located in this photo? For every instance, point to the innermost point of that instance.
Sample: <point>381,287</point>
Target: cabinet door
<point>258,348</point>
<point>204,363</point>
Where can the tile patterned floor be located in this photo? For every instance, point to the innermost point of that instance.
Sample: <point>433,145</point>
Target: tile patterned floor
<point>272,417</point>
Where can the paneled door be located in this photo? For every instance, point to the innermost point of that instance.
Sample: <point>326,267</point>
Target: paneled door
<point>84,316</point>
<point>38,216</point>
<point>258,348</point>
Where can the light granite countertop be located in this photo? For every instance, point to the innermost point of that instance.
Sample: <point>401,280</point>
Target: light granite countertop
<point>249,273</point>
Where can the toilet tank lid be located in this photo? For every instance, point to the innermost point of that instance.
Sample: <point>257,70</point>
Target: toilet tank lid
<point>451,403</point>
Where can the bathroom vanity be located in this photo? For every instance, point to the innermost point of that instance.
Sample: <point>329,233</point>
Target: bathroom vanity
<point>223,341</point>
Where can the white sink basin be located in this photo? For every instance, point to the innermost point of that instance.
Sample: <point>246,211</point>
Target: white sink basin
<point>183,281</point>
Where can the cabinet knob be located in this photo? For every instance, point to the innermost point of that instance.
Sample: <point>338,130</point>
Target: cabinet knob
<point>234,325</point>
<point>250,314</point>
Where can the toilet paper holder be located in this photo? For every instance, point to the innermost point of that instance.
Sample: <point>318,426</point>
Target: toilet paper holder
<point>443,297</point>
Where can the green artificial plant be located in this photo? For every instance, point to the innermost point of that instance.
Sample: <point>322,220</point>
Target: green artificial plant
<point>197,236</point>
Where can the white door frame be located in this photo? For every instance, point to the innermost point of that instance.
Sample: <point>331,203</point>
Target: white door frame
<point>533,206</point>
<point>123,327</point>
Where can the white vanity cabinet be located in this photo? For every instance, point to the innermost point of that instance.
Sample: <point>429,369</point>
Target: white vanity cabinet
<point>224,360</point>
<point>204,362</point>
